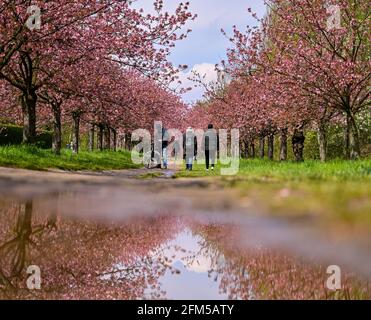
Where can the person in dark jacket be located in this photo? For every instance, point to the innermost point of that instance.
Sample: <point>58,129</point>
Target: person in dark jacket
<point>165,144</point>
<point>211,146</point>
<point>189,147</point>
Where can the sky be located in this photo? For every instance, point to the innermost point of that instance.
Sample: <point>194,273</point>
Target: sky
<point>206,45</point>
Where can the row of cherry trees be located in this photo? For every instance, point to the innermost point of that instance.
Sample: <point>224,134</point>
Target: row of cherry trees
<point>296,72</point>
<point>95,64</point>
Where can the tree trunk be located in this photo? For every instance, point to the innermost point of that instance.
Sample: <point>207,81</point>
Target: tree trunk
<point>354,145</point>
<point>128,141</point>
<point>91,137</point>
<point>57,129</point>
<point>298,140</point>
<point>114,139</point>
<point>346,140</point>
<point>271,146</point>
<point>28,103</point>
<point>252,149</point>
<point>261,147</point>
<point>322,141</point>
<point>283,145</point>
<point>76,132</point>
<point>100,137</point>
<point>107,138</point>
<point>246,149</point>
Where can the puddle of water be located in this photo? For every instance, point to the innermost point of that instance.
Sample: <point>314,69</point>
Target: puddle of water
<point>191,276</point>
<point>164,256</point>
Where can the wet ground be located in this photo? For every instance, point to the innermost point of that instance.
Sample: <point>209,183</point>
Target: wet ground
<point>115,235</point>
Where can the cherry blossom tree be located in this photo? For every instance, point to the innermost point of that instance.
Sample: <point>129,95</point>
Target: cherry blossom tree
<point>73,34</point>
<point>326,69</point>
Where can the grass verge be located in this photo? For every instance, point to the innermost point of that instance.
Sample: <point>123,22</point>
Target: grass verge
<point>262,170</point>
<point>30,157</point>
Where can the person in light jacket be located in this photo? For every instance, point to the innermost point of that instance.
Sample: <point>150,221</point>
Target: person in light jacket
<point>190,148</point>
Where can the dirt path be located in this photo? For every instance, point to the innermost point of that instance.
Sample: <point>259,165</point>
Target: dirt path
<point>24,183</point>
<point>73,176</point>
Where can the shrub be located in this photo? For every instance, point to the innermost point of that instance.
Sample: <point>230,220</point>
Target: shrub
<point>13,135</point>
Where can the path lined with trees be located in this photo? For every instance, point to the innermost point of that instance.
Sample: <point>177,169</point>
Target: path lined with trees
<point>102,69</point>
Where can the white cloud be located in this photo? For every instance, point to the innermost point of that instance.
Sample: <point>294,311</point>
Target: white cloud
<point>206,43</point>
<point>206,71</point>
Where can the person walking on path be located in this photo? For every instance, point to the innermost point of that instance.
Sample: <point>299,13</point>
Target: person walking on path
<point>189,147</point>
<point>165,144</point>
<point>211,146</point>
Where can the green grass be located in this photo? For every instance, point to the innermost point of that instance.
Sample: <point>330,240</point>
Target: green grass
<point>263,170</point>
<point>336,193</point>
<point>29,157</point>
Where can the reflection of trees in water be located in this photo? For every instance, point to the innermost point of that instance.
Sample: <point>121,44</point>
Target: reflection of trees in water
<point>80,259</point>
<point>87,260</point>
<point>13,252</point>
<point>263,274</point>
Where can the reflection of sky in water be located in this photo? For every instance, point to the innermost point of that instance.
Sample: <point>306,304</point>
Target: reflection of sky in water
<point>193,281</point>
